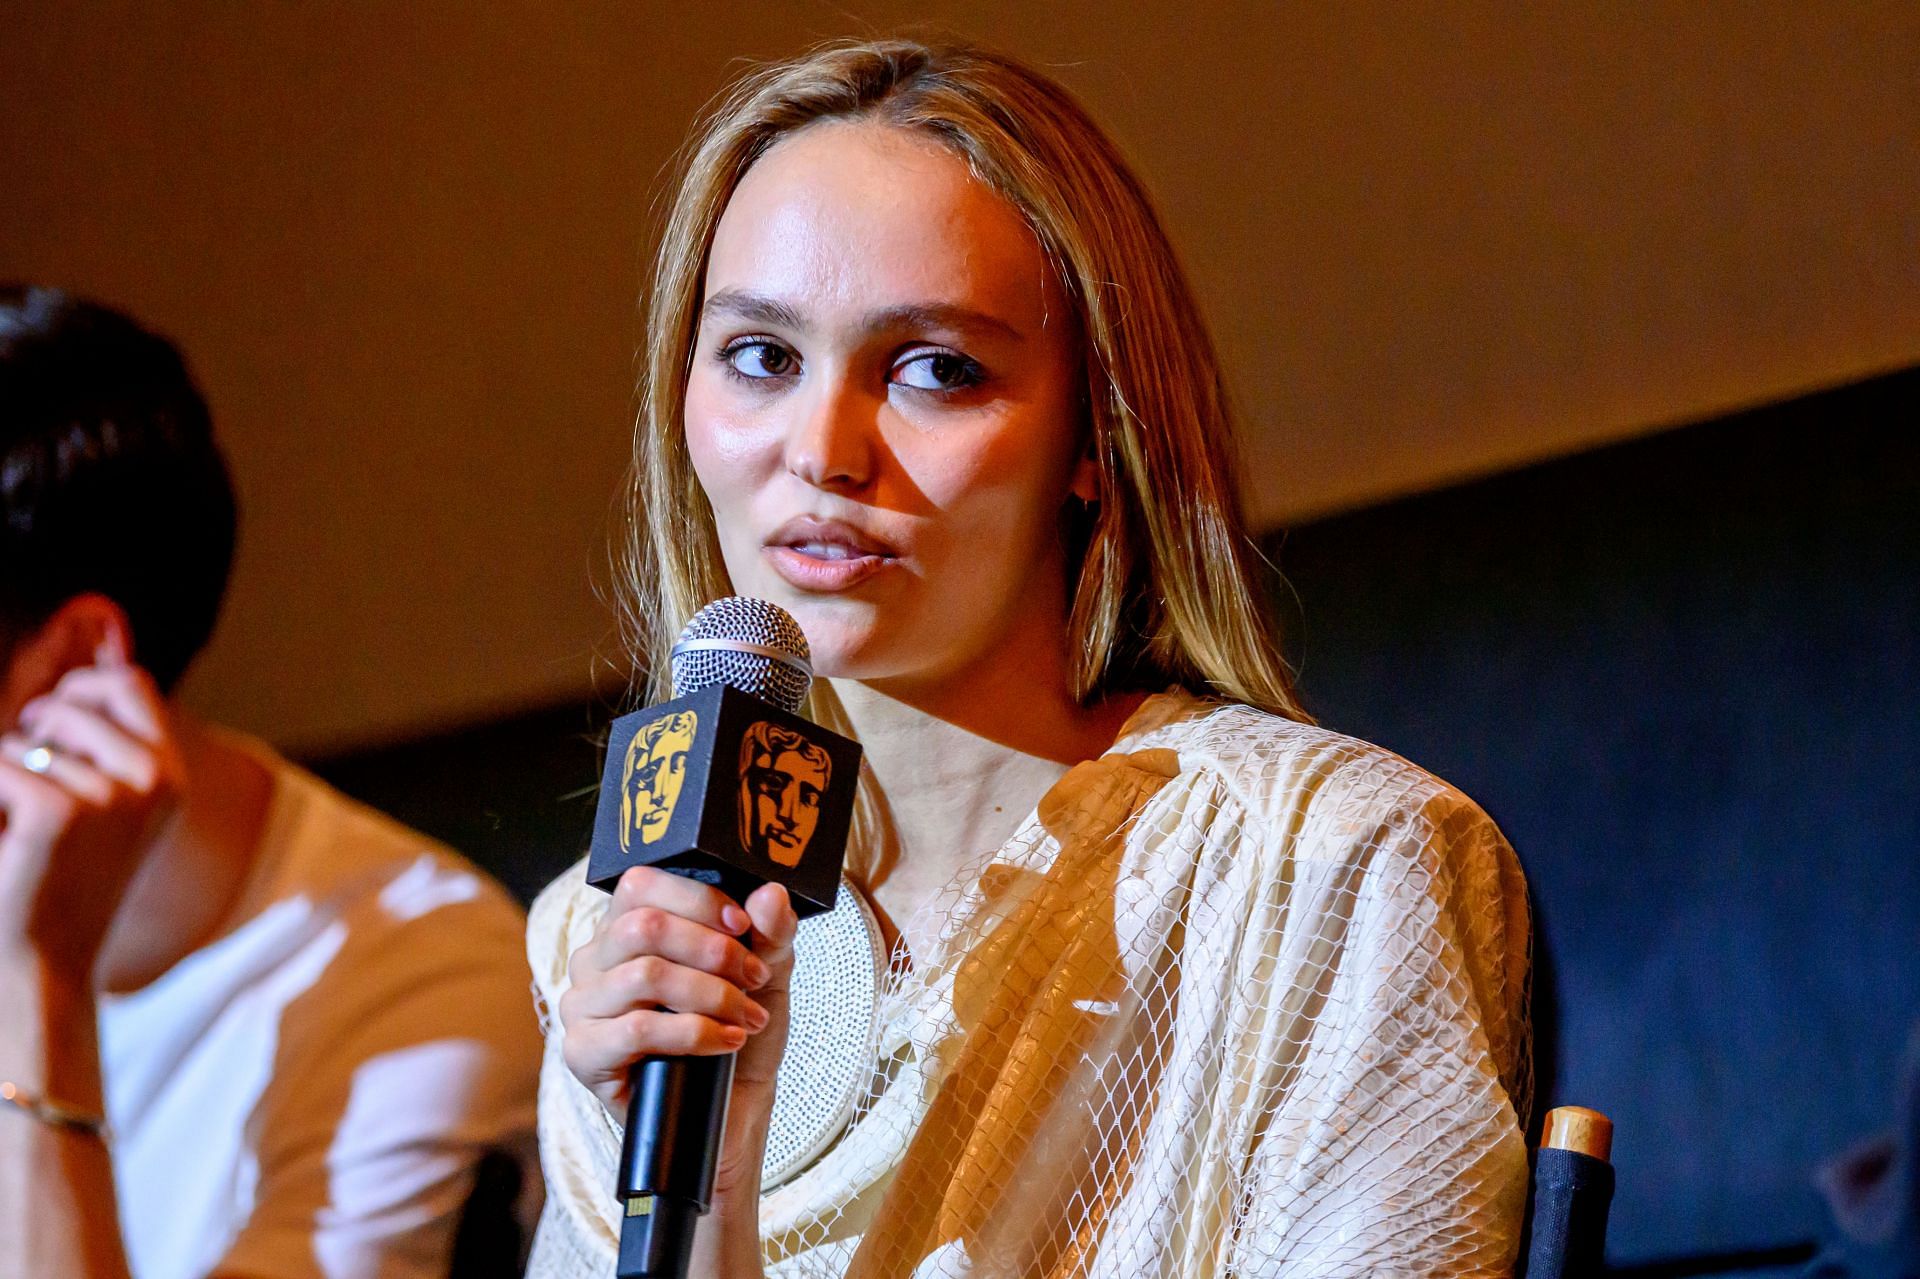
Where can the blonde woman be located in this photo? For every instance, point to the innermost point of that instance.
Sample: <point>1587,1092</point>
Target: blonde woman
<point>1181,984</point>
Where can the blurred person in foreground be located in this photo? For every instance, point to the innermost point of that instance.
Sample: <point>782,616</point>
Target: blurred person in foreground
<point>1181,984</point>
<point>247,1027</point>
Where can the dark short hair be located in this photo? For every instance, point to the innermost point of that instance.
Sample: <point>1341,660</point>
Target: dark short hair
<point>110,480</point>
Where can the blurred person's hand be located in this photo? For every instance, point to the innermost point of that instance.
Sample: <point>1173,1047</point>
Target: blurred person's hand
<point>87,776</point>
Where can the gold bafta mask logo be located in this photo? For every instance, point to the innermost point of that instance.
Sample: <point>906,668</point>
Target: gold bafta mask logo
<point>655,768</point>
<point>783,778</point>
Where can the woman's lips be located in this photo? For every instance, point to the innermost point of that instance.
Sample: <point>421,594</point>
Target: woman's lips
<point>825,555</point>
<point>808,571</point>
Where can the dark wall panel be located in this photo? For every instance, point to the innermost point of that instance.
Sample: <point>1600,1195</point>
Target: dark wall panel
<point>516,795</point>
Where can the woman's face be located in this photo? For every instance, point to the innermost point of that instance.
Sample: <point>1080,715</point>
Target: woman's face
<point>882,405</point>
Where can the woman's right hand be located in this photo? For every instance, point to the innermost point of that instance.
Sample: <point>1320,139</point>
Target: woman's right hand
<point>676,968</point>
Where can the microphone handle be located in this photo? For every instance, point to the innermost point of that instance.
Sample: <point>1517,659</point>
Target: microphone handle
<point>676,1117</point>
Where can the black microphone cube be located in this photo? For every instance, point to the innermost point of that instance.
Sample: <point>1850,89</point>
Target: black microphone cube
<point>724,788</point>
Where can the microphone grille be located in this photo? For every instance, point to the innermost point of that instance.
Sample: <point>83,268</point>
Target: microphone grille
<point>748,644</point>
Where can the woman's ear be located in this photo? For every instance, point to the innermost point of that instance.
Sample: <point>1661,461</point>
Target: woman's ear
<point>1086,479</point>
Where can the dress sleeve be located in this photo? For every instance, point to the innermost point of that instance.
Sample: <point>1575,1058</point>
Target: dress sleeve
<point>579,1232</point>
<point>1389,1070</point>
<point>412,1057</point>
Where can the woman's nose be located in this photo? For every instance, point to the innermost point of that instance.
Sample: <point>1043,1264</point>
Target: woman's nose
<point>830,444</point>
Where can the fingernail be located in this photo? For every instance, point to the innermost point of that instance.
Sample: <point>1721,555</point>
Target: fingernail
<point>757,1016</point>
<point>757,972</point>
<point>733,1036</point>
<point>736,919</point>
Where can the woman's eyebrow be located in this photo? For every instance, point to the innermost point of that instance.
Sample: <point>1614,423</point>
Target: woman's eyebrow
<point>940,315</point>
<point>757,308</point>
<point>742,305</point>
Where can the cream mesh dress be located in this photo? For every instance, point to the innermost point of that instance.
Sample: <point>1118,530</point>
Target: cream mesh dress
<point>1241,997</point>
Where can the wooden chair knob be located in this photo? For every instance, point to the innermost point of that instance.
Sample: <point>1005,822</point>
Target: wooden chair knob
<point>1575,1128</point>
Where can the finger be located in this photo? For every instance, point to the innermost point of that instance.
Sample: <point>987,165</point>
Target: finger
<point>125,694</point>
<point>74,776</point>
<point>688,898</point>
<point>649,930</point>
<point>80,732</point>
<point>774,921</point>
<point>603,1049</point>
<point>30,805</point>
<point>653,982</point>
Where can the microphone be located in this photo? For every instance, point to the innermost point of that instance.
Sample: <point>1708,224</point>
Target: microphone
<point>726,784</point>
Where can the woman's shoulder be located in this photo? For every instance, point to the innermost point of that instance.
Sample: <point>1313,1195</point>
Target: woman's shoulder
<point>1292,773</point>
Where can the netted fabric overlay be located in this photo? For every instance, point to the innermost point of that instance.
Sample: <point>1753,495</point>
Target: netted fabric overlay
<point>1241,997</point>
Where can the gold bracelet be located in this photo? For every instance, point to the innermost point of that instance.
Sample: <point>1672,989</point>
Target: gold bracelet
<point>52,1112</point>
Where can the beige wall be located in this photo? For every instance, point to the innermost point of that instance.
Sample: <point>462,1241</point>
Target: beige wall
<point>402,244</point>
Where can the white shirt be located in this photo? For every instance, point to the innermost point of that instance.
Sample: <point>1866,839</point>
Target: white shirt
<point>1241,997</point>
<point>309,1094</point>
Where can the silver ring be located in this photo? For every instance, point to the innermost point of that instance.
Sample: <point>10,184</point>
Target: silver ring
<point>37,759</point>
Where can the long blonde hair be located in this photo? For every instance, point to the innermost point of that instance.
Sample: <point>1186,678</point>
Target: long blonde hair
<point>1166,587</point>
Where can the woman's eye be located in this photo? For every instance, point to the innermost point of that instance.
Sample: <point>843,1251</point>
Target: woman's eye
<point>936,371</point>
<point>760,359</point>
